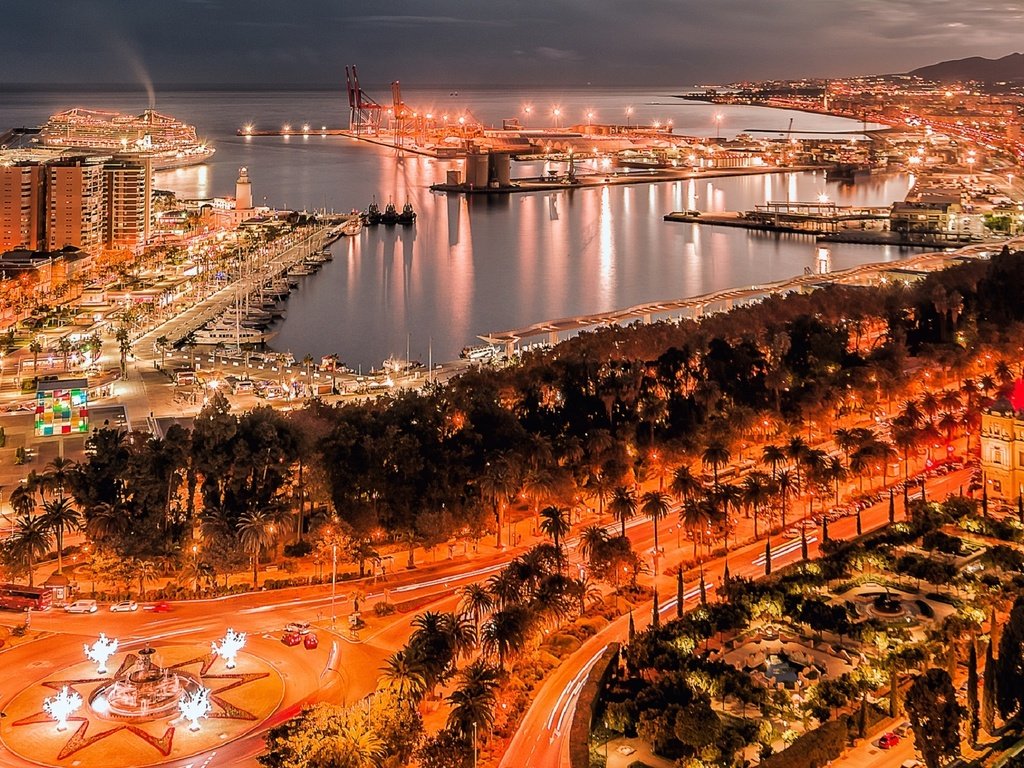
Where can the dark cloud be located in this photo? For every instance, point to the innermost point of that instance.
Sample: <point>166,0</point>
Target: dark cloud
<point>467,42</point>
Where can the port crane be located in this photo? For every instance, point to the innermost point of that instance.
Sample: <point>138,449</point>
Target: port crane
<point>364,112</point>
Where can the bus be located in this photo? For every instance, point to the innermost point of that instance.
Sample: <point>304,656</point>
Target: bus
<point>15,597</point>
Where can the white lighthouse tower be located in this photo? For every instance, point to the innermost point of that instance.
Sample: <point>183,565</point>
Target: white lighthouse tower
<point>243,191</point>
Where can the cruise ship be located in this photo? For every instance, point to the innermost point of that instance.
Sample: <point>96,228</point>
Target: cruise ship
<point>168,142</point>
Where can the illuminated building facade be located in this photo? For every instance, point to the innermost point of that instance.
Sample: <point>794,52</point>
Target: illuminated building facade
<point>62,407</point>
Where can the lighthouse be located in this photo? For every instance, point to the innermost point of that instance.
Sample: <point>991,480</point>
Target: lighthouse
<point>243,191</point>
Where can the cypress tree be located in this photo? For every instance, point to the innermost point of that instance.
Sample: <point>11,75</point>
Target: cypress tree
<point>824,529</point>
<point>680,594</point>
<point>984,500</point>
<point>655,613</point>
<point>988,692</point>
<point>860,525</point>
<point>892,507</point>
<point>703,589</point>
<point>1010,662</point>
<point>1020,509</point>
<point>803,543</point>
<point>974,720</point>
<point>632,627</point>
<point>768,557</point>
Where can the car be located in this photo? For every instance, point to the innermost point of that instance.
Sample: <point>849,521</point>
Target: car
<point>124,605</point>
<point>888,740</point>
<point>160,606</point>
<point>81,606</point>
<point>310,641</point>
<point>298,627</point>
<point>791,533</point>
<point>291,638</point>
<point>902,730</point>
<point>911,763</point>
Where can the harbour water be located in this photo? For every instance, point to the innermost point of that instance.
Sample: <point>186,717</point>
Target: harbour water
<point>472,266</point>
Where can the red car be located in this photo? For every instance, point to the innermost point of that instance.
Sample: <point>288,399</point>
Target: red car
<point>888,740</point>
<point>310,642</point>
<point>161,606</point>
<point>291,638</point>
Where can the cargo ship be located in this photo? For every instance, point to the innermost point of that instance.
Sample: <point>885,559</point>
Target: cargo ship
<point>168,142</point>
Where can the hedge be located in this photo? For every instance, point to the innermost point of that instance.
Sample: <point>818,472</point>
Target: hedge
<point>813,749</point>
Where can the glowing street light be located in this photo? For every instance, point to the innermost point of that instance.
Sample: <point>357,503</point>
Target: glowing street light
<point>100,652</point>
<point>590,116</point>
<point>62,706</point>
<point>527,109</point>
<point>629,114</point>
<point>718,125</point>
<point>195,705</point>
<point>556,113</point>
<point>230,645</point>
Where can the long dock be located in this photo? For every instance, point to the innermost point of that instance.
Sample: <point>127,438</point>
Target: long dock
<point>718,301</point>
<point>261,268</point>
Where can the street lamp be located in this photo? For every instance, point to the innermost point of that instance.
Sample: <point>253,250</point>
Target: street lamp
<point>590,117</point>
<point>474,744</point>
<point>556,113</point>
<point>527,109</point>
<point>718,125</point>
<point>334,575</point>
<point>629,114</point>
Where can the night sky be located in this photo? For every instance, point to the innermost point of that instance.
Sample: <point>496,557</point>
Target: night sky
<point>485,42</point>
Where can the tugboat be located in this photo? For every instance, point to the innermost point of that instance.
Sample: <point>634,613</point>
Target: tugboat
<point>372,216</point>
<point>390,217</point>
<point>408,216</point>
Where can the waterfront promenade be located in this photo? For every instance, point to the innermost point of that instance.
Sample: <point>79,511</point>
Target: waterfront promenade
<point>696,306</point>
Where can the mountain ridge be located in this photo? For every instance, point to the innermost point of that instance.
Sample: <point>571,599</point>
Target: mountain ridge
<point>1005,68</point>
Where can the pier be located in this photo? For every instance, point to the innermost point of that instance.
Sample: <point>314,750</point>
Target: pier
<point>719,301</point>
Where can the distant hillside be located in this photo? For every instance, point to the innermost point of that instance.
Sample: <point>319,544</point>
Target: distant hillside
<point>1009,67</point>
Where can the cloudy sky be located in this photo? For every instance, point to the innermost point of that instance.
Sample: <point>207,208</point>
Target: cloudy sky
<point>482,42</point>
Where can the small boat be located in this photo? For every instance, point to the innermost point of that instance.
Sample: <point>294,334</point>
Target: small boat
<point>300,270</point>
<point>390,217</point>
<point>408,216</point>
<point>352,227</point>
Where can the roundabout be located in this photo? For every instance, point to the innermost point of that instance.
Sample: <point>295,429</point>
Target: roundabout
<point>132,713</point>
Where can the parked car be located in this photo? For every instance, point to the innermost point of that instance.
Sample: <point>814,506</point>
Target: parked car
<point>298,627</point>
<point>791,533</point>
<point>902,730</point>
<point>310,642</point>
<point>81,606</point>
<point>124,605</point>
<point>291,638</point>
<point>888,740</point>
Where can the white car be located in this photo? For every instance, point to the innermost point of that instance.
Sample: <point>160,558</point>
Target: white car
<point>791,533</point>
<point>124,605</point>
<point>81,606</point>
<point>298,627</point>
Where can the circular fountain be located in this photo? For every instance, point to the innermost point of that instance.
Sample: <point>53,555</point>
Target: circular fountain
<point>143,690</point>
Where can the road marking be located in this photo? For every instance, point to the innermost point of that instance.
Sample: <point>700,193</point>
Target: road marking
<point>671,603</point>
<point>785,549</point>
<point>571,689</point>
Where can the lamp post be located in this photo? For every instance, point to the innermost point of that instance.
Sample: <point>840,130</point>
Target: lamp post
<point>718,126</point>
<point>526,111</point>
<point>629,114</point>
<point>556,113</point>
<point>334,574</point>
<point>474,744</point>
<point>590,117</point>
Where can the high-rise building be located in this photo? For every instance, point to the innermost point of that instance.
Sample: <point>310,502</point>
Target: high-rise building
<point>75,209</point>
<point>129,195</point>
<point>22,206</point>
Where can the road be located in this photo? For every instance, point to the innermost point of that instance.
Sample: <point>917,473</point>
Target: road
<point>542,738</point>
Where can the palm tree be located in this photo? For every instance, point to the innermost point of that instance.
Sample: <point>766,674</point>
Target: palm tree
<point>476,603</point>
<point>144,570</point>
<point>507,632</point>
<point>499,483</point>
<point>846,440</point>
<point>623,505</point>
<point>715,455</point>
<point>32,539</point>
<point>684,483</point>
<point>796,450</point>
<point>162,342</point>
<point>788,483</point>
<point>59,516</point>
<point>757,491</point>
<point>655,505</point>
<point>58,474</point>
<point>35,347</point>
<point>106,521</point>
<point>404,676</point>
<point>591,539</point>
<point>473,701</point>
<point>774,456</point>
<point>696,515</point>
<point>197,573</point>
<point>254,535</point>
<point>555,523</point>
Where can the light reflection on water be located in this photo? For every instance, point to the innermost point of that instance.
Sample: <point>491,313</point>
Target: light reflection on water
<point>482,264</point>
